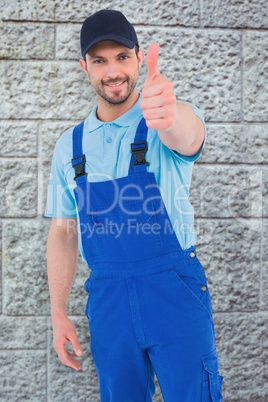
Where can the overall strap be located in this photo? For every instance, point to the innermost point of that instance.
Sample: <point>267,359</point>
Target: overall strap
<point>79,159</point>
<point>138,149</point>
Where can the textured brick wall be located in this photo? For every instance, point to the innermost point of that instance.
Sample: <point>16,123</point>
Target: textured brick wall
<point>215,52</point>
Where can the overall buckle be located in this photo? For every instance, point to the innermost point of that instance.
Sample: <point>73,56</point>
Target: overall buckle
<point>139,153</point>
<point>79,167</point>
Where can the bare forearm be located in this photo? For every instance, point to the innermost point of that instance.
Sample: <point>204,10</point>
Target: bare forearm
<point>62,258</point>
<point>184,130</point>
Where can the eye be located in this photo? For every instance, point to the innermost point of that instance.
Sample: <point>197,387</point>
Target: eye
<point>97,61</point>
<point>123,57</point>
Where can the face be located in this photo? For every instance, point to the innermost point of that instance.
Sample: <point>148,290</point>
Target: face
<point>113,70</point>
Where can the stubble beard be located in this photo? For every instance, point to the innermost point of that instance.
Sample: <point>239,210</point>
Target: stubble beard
<point>116,98</point>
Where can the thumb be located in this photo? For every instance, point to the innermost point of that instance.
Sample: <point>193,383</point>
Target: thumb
<point>76,346</point>
<point>151,61</point>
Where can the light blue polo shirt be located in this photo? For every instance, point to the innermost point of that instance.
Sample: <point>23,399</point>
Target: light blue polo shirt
<point>108,154</point>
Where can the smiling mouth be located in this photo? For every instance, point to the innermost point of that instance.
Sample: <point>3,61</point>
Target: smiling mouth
<point>115,85</point>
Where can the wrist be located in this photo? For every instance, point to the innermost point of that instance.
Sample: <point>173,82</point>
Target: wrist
<point>58,313</point>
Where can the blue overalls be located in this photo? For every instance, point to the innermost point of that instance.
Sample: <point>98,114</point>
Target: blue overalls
<point>149,307</point>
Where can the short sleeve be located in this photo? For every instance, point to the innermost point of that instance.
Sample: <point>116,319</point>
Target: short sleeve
<point>60,201</point>
<point>192,158</point>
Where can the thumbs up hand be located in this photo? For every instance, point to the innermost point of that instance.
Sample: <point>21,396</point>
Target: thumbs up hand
<point>158,102</point>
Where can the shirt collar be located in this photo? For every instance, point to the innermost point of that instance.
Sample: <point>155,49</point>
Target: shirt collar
<point>92,122</point>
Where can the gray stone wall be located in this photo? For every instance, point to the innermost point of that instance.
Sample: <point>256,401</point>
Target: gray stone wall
<point>216,53</point>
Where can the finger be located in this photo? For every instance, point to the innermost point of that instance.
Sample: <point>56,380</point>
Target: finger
<point>151,61</point>
<point>72,354</point>
<point>76,364</point>
<point>159,112</point>
<point>160,85</point>
<point>76,345</point>
<point>160,124</point>
<point>157,101</point>
<point>66,360</point>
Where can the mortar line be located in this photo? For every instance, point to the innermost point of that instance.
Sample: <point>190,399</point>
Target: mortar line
<point>227,164</point>
<point>76,121</point>
<point>199,2</point>
<point>260,264</point>
<point>41,218</point>
<point>36,316</point>
<point>241,164</point>
<point>2,266</point>
<point>39,174</point>
<point>242,77</point>
<point>55,39</point>
<point>137,25</point>
<point>48,360</point>
<point>22,349</point>
<point>28,218</point>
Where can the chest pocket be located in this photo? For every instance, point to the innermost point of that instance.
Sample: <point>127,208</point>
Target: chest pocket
<point>131,214</point>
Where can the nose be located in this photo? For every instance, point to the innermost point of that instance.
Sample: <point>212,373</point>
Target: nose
<point>112,70</point>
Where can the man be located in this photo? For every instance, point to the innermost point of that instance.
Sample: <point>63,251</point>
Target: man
<point>149,307</point>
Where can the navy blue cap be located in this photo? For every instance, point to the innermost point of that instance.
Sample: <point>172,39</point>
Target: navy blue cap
<point>107,25</point>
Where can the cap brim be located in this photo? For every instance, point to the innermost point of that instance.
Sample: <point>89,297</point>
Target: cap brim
<point>115,38</point>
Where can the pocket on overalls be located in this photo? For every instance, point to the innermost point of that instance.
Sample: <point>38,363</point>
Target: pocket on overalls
<point>212,380</point>
<point>192,277</point>
<point>87,286</point>
<point>127,234</point>
<point>130,214</point>
<point>88,283</point>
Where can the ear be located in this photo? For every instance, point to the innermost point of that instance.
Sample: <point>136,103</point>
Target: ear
<point>83,65</point>
<point>140,57</point>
